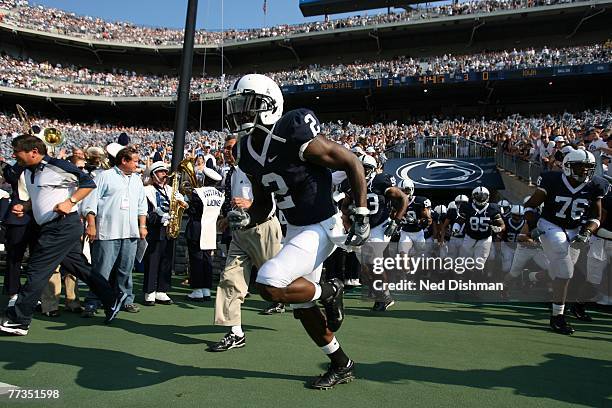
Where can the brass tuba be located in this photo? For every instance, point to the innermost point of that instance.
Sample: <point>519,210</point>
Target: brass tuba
<point>184,181</point>
<point>52,137</point>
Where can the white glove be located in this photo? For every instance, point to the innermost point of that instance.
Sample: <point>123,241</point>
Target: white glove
<point>238,219</point>
<point>159,212</point>
<point>496,229</point>
<point>456,229</point>
<point>360,227</point>
<point>165,219</point>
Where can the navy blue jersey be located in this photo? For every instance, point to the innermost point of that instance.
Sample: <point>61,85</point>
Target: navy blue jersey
<point>606,204</point>
<point>379,208</point>
<point>478,221</point>
<point>415,208</point>
<point>566,206</point>
<point>512,230</point>
<point>452,215</point>
<point>303,190</point>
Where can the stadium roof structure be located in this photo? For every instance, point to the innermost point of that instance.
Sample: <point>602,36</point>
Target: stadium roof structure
<point>311,8</point>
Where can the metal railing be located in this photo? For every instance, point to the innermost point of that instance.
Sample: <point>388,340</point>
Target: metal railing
<point>526,170</point>
<point>440,147</point>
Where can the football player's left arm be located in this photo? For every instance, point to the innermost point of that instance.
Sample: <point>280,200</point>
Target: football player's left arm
<point>328,154</point>
<point>425,218</point>
<point>259,210</point>
<point>592,223</point>
<point>497,224</point>
<point>399,202</point>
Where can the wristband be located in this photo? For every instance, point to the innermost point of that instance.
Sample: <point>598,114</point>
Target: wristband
<point>73,201</point>
<point>142,226</point>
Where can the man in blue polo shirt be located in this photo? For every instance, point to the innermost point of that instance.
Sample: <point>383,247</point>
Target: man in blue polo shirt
<point>55,187</point>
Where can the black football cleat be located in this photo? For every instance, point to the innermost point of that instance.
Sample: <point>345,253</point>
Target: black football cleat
<point>228,342</point>
<point>559,325</point>
<point>334,306</point>
<point>580,313</point>
<point>383,305</point>
<point>274,309</point>
<point>334,376</point>
<point>10,327</point>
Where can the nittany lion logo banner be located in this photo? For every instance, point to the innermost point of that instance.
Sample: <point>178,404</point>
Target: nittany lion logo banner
<point>447,173</point>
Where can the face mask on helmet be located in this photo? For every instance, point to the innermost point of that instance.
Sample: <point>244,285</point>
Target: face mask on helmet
<point>255,101</point>
<point>243,109</point>
<point>579,165</point>
<point>480,196</point>
<point>407,186</point>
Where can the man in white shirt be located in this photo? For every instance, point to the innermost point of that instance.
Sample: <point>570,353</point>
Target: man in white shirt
<point>116,219</point>
<point>251,246</point>
<point>55,188</point>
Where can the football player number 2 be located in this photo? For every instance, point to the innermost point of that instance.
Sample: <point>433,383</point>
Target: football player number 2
<point>283,200</point>
<point>578,207</point>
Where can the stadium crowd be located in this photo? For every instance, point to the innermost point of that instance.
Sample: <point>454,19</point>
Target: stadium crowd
<point>21,14</point>
<point>528,138</point>
<point>57,78</point>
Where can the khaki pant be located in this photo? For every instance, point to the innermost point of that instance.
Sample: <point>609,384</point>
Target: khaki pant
<point>251,247</point>
<point>51,294</point>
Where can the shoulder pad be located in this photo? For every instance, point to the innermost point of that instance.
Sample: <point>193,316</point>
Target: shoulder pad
<point>423,201</point>
<point>602,186</point>
<point>548,180</point>
<point>381,183</point>
<point>297,126</point>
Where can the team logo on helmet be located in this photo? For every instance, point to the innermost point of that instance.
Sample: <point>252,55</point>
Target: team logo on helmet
<point>441,172</point>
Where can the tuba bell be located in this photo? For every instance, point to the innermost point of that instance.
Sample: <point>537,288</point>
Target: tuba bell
<point>52,137</point>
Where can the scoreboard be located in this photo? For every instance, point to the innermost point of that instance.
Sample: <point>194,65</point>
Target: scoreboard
<point>471,77</point>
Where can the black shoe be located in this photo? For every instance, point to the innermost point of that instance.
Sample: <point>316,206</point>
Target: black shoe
<point>580,313</point>
<point>52,313</point>
<point>559,325</point>
<point>228,342</point>
<point>149,303</point>
<point>89,311</point>
<point>382,306</point>
<point>10,327</point>
<point>195,299</point>
<point>334,306</point>
<point>115,308</point>
<point>334,376</point>
<point>275,308</point>
<point>131,308</point>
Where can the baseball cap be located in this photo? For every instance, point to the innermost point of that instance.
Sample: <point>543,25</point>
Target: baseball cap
<point>559,139</point>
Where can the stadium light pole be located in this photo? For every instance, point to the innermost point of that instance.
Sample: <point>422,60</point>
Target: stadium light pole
<point>182,110</point>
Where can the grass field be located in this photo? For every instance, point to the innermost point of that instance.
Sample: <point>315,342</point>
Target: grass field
<point>415,354</point>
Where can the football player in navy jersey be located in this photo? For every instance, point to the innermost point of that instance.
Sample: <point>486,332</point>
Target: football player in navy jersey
<point>456,238</point>
<point>387,204</point>
<point>481,220</point>
<point>525,248</point>
<point>415,222</point>
<point>284,155</point>
<point>599,259</point>
<point>571,213</point>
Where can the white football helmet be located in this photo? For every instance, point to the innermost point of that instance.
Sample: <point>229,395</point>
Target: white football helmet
<point>451,206</point>
<point>480,196</point>
<point>517,210</point>
<point>579,165</point>
<point>461,199</point>
<point>440,210</point>
<point>369,165</point>
<point>253,101</point>
<point>407,186</point>
<point>505,206</point>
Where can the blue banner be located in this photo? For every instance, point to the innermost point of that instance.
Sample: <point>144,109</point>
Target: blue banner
<point>447,174</point>
<point>545,72</point>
